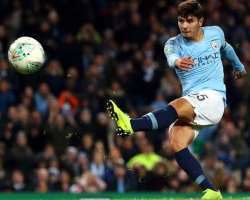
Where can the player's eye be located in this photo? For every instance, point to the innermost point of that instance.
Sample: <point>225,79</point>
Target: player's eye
<point>180,20</point>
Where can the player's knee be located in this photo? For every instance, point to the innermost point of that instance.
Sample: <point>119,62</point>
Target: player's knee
<point>184,109</point>
<point>176,145</point>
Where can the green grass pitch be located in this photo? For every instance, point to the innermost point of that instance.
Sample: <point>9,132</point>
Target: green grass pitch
<point>115,196</point>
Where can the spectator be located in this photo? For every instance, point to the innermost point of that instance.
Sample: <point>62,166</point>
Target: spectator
<point>68,102</point>
<point>54,174</point>
<point>42,176</point>
<point>157,178</point>
<point>18,181</point>
<point>83,163</point>
<point>57,134</point>
<point>21,153</point>
<point>70,160</point>
<point>65,181</point>
<point>42,97</point>
<point>54,77</point>
<point>88,183</point>
<point>146,158</point>
<point>98,165</point>
<point>123,181</point>
<point>7,98</point>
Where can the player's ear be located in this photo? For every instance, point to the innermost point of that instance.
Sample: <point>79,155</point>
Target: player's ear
<point>201,21</point>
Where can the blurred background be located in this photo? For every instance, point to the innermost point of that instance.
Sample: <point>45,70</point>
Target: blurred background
<point>55,135</point>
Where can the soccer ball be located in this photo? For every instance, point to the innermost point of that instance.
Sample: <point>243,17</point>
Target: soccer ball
<point>26,55</point>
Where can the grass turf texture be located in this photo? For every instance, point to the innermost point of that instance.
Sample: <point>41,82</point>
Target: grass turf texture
<point>114,196</point>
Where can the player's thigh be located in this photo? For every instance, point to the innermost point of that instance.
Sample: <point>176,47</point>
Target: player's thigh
<point>181,134</point>
<point>208,106</point>
<point>184,109</point>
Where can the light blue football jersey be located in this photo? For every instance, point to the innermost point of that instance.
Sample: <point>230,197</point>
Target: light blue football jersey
<point>207,71</point>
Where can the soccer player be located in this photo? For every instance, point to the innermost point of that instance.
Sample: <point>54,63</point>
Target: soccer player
<point>196,55</point>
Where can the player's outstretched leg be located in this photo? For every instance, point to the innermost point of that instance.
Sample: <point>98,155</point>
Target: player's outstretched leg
<point>158,119</point>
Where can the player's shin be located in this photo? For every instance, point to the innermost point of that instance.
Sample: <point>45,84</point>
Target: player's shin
<point>193,168</point>
<point>159,119</point>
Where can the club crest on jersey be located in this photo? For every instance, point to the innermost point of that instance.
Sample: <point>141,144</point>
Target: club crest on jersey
<point>214,44</point>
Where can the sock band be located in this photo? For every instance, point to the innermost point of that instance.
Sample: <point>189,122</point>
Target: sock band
<point>158,119</point>
<point>199,179</point>
<point>153,120</point>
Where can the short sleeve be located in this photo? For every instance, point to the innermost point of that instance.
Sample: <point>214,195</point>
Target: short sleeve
<point>171,51</point>
<point>222,36</point>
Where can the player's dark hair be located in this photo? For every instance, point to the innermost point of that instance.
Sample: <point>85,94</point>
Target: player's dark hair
<point>190,7</point>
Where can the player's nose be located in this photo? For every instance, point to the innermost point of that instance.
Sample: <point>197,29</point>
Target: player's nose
<point>184,25</point>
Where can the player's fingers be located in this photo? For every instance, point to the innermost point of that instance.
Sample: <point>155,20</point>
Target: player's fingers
<point>243,73</point>
<point>188,59</point>
<point>184,63</point>
<point>184,66</point>
<point>238,74</point>
<point>235,75</point>
<point>188,62</point>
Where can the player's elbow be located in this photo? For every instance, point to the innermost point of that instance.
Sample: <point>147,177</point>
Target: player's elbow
<point>170,64</point>
<point>171,61</point>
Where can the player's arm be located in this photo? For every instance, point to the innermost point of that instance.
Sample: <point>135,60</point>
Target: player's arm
<point>173,58</point>
<point>228,53</point>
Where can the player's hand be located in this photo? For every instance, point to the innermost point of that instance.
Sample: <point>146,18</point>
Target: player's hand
<point>239,74</point>
<point>185,63</point>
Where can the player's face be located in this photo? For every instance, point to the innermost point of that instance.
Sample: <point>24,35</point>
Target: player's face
<point>189,26</point>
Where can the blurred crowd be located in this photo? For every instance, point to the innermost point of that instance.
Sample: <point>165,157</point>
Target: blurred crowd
<point>54,132</point>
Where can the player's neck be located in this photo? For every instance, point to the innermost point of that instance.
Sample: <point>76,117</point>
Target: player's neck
<point>199,36</point>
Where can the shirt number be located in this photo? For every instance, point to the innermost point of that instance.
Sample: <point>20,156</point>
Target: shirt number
<point>201,97</point>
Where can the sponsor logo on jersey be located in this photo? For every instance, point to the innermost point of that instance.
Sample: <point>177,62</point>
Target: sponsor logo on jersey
<point>207,59</point>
